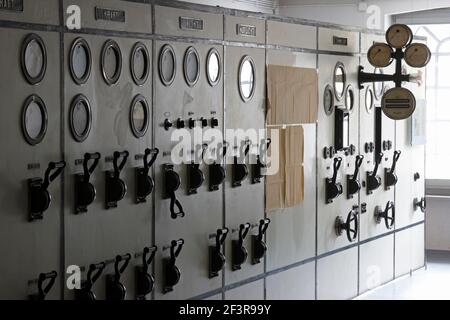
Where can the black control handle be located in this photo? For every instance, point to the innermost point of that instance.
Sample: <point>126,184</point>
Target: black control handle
<point>45,283</point>
<point>350,225</point>
<point>54,169</point>
<point>395,158</point>
<point>243,231</point>
<point>94,272</point>
<point>420,203</point>
<point>221,236</point>
<point>116,157</point>
<point>378,160</point>
<point>149,162</point>
<point>336,165</point>
<point>358,163</point>
<point>263,225</point>
<point>175,248</point>
<point>148,256</point>
<point>120,264</point>
<point>88,170</point>
<point>389,220</point>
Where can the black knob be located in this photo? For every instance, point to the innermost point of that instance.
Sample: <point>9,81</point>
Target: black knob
<point>85,192</point>
<point>240,172</point>
<point>144,182</point>
<point>422,204</point>
<point>45,284</point>
<point>204,122</point>
<point>172,274</point>
<point>115,290</point>
<point>214,122</point>
<point>416,176</point>
<point>257,170</point>
<point>390,178</point>
<point>350,225</point>
<point>216,176</point>
<point>373,181</point>
<point>191,123</point>
<point>195,178</point>
<point>39,198</point>
<point>259,247</point>
<point>332,188</point>
<point>239,252</point>
<point>180,123</point>
<point>145,282</point>
<point>115,187</point>
<point>167,124</point>
<point>353,185</point>
<point>85,293</point>
<point>216,257</point>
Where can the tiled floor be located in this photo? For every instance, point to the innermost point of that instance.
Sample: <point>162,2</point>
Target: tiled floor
<point>432,283</point>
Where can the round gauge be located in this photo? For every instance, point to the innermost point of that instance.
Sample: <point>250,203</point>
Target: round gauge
<point>80,61</point>
<point>328,100</point>
<point>349,98</point>
<point>398,103</point>
<point>80,118</point>
<point>111,62</point>
<point>339,80</point>
<point>34,59</point>
<point>378,86</point>
<point>139,116</point>
<point>34,120</point>
<point>417,55</point>
<point>247,78</point>
<point>213,67</point>
<point>399,36</point>
<point>167,65</point>
<point>369,99</point>
<point>140,64</point>
<point>380,55</point>
<point>191,66</point>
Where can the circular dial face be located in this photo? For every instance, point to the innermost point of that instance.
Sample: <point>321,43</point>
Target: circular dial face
<point>80,118</point>
<point>34,59</point>
<point>339,80</point>
<point>111,62</point>
<point>34,120</point>
<point>349,98</point>
<point>247,78</point>
<point>398,103</point>
<point>140,64</point>
<point>417,55</point>
<point>167,65</point>
<point>399,36</point>
<point>191,66</point>
<point>369,100</point>
<point>139,116</point>
<point>328,100</point>
<point>380,55</point>
<point>213,67</point>
<point>80,61</point>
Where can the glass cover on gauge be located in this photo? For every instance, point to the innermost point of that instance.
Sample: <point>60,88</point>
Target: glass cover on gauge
<point>380,55</point>
<point>349,98</point>
<point>328,100</point>
<point>80,118</point>
<point>34,59</point>
<point>399,36</point>
<point>247,78</point>
<point>140,64</point>
<point>398,103</point>
<point>339,80</point>
<point>111,62</point>
<point>139,116</point>
<point>191,66</point>
<point>378,86</point>
<point>34,120</point>
<point>213,67</point>
<point>417,55</point>
<point>369,99</point>
<point>80,61</point>
<point>167,65</point>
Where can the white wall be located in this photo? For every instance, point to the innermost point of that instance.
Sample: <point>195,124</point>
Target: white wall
<point>264,6</point>
<point>438,223</point>
<point>353,12</point>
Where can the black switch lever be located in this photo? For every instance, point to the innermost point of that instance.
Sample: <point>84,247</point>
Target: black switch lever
<point>374,181</point>
<point>145,282</point>
<point>85,192</point>
<point>259,247</point>
<point>353,185</point>
<point>39,198</point>
<point>259,166</point>
<point>86,293</point>
<point>115,290</point>
<point>390,178</point>
<point>195,175</point>
<point>173,183</point>
<point>239,252</point>
<point>217,172</point>
<point>333,189</point>
<point>172,274</point>
<point>144,182</point>
<point>350,226</point>
<point>115,188</point>
<point>240,170</point>
<point>216,257</point>
<point>422,204</point>
<point>389,219</point>
<point>43,289</point>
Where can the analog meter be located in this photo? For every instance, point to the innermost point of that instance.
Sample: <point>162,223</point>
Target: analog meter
<point>380,55</point>
<point>399,36</point>
<point>417,55</point>
<point>398,103</point>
